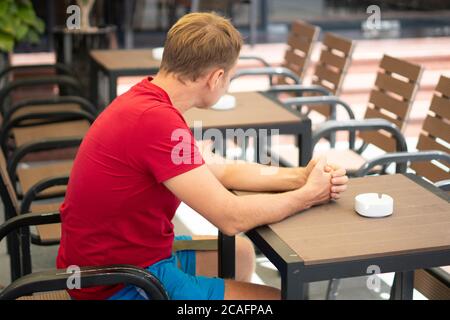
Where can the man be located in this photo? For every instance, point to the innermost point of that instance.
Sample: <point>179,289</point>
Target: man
<point>126,184</point>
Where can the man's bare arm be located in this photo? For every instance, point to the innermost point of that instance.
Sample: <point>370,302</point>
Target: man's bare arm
<point>242,175</point>
<point>232,214</point>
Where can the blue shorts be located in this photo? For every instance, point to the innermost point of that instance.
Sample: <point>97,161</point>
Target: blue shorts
<point>180,284</point>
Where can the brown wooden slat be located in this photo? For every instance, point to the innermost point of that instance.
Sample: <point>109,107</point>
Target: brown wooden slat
<point>388,83</point>
<point>336,42</point>
<point>443,86</point>
<point>430,286</point>
<point>441,106</point>
<point>292,58</point>
<point>401,67</point>
<point>61,107</point>
<point>430,171</point>
<point>29,176</point>
<point>47,232</point>
<point>437,128</point>
<point>76,128</point>
<point>299,44</point>
<point>375,113</point>
<point>327,57</point>
<point>380,139</point>
<point>383,100</point>
<point>304,29</point>
<point>323,72</point>
<point>427,143</point>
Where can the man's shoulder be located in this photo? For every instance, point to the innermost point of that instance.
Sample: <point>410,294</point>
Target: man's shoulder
<point>162,114</point>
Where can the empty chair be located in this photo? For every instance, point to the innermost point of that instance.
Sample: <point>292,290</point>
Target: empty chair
<point>432,162</point>
<point>335,59</point>
<point>391,99</point>
<point>297,57</point>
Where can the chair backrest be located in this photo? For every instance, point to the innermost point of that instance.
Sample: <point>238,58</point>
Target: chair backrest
<point>396,86</point>
<point>330,71</point>
<point>435,134</point>
<point>8,195</point>
<point>301,43</point>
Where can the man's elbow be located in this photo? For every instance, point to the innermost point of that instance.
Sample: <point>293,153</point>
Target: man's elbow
<point>230,230</point>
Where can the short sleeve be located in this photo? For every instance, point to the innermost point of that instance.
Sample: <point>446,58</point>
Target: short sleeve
<point>163,145</point>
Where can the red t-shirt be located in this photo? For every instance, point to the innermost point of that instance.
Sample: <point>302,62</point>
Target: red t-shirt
<point>116,209</point>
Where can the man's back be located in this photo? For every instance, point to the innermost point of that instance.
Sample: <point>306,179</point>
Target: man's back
<point>116,210</point>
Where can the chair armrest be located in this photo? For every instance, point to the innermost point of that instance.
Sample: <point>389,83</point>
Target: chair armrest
<point>27,220</point>
<point>38,187</point>
<point>67,81</point>
<point>440,274</point>
<point>402,157</point>
<point>443,185</point>
<point>57,279</point>
<point>263,62</point>
<point>268,71</point>
<point>57,66</point>
<point>331,100</point>
<point>85,104</point>
<point>374,124</point>
<point>43,145</point>
<point>299,88</point>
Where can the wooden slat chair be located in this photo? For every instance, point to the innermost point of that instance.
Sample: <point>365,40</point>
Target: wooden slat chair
<point>37,119</point>
<point>301,40</point>
<point>328,78</point>
<point>45,234</point>
<point>17,229</point>
<point>51,284</point>
<point>335,59</point>
<point>26,174</point>
<point>329,73</point>
<point>49,233</point>
<point>435,134</point>
<point>37,71</point>
<point>431,161</point>
<point>391,99</point>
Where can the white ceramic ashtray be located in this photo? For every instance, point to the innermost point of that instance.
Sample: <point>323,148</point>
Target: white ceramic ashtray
<point>226,102</point>
<point>374,205</point>
<point>158,53</point>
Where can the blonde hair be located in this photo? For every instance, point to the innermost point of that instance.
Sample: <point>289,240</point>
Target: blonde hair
<point>198,42</point>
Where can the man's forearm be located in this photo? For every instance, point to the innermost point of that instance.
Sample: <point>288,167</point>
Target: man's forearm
<point>249,211</point>
<point>256,177</point>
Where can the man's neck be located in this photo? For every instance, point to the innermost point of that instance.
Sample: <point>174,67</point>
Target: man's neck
<point>182,96</point>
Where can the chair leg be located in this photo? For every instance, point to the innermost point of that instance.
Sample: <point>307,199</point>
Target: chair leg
<point>403,286</point>
<point>332,290</point>
<point>14,256</point>
<point>25,251</point>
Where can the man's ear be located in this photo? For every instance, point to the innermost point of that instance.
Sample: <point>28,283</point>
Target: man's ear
<point>214,78</point>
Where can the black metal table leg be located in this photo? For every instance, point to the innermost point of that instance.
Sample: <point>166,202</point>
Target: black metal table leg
<point>112,86</point>
<point>403,286</point>
<point>227,257</point>
<point>292,286</point>
<point>304,146</point>
<point>94,80</point>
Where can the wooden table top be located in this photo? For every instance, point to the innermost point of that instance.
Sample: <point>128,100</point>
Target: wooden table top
<point>134,59</point>
<point>252,109</point>
<point>335,232</point>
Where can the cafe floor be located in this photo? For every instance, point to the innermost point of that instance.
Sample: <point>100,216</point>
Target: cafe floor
<point>432,53</point>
